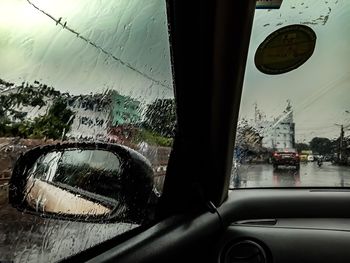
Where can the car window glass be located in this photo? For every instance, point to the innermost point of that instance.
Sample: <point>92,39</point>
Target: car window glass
<point>294,120</point>
<point>80,71</point>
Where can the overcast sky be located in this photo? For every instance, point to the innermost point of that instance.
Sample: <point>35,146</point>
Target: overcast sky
<point>35,47</point>
<point>319,89</point>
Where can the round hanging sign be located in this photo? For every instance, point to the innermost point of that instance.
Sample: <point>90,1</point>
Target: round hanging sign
<point>285,49</point>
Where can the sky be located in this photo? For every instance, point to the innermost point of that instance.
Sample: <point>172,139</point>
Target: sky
<point>318,89</point>
<point>85,46</point>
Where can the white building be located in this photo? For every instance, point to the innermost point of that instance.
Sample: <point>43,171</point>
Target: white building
<point>94,114</point>
<point>91,119</point>
<point>279,133</point>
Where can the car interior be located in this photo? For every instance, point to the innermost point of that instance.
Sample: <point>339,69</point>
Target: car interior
<point>199,217</point>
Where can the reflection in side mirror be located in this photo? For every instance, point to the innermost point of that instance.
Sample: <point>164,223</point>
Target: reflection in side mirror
<point>79,182</point>
<point>90,182</point>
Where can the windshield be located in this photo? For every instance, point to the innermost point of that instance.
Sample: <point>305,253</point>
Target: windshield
<point>80,71</point>
<point>295,96</point>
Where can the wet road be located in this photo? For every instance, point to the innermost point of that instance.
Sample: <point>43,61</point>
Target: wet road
<point>263,175</point>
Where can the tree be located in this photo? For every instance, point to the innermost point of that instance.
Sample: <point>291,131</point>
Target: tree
<point>302,147</point>
<point>53,125</point>
<point>26,95</point>
<point>160,117</point>
<point>321,145</point>
<point>5,83</point>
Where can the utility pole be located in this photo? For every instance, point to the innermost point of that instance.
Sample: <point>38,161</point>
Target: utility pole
<point>256,113</point>
<point>342,155</point>
<point>341,143</point>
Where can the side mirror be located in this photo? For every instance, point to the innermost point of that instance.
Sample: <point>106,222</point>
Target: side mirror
<point>93,182</point>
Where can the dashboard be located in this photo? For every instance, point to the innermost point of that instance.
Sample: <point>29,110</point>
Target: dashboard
<point>297,227</point>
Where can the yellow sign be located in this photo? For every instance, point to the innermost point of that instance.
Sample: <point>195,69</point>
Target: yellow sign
<point>285,49</point>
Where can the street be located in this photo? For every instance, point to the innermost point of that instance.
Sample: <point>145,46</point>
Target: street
<point>263,175</point>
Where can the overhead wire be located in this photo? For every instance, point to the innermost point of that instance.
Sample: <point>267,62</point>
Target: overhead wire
<point>100,48</point>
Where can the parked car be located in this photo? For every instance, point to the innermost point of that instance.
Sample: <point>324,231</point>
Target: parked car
<point>310,158</point>
<point>303,157</point>
<point>285,157</point>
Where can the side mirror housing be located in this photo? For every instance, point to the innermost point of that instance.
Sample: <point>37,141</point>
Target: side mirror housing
<point>93,182</point>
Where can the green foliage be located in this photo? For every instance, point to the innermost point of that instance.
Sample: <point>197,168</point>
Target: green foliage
<point>6,84</point>
<point>25,95</point>
<point>302,147</point>
<point>321,145</point>
<point>53,125</point>
<point>160,117</point>
<point>9,129</point>
<point>151,138</point>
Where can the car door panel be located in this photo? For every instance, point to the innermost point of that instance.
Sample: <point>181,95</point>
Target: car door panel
<point>176,239</point>
<point>291,225</point>
<point>244,204</point>
<point>291,244</point>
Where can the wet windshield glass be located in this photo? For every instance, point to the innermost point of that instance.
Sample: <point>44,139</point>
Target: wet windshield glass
<point>80,71</point>
<point>294,120</point>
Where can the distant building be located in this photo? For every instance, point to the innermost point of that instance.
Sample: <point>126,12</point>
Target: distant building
<point>124,110</point>
<point>92,113</point>
<point>98,115</point>
<point>279,133</point>
<point>95,115</point>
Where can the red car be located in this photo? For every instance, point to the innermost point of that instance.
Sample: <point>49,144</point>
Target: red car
<point>286,157</point>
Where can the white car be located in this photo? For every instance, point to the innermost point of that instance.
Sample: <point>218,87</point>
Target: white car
<point>310,158</point>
